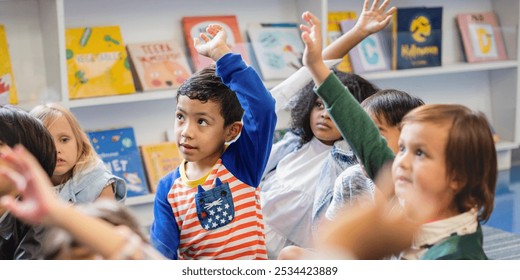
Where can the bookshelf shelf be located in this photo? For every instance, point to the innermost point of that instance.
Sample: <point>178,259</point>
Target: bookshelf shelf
<point>140,200</point>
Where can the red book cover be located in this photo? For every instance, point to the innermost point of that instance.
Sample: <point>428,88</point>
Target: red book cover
<point>481,37</point>
<point>193,26</point>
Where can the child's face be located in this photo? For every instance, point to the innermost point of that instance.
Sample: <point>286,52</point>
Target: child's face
<point>322,125</point>
<point>390,133</point>
<point>419,171</point>
<point>66,146</point>
<point>199,130</point>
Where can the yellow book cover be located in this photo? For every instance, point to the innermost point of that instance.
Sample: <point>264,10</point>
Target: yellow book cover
<point>97,62</point>
<point>159,159</point>
<point>334,32</point>
<point>7,86</point>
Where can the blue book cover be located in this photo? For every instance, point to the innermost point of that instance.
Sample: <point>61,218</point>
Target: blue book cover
<point>417,37</point>
<point>119,150</point>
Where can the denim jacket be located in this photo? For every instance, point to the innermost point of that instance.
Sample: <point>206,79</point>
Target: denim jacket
<point>87,185</point>
<point>340,157</point>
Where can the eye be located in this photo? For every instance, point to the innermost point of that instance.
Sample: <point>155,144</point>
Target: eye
<point>401,148</point>
<point>319,105</point>
<point>419,152</point>
<point>64,140</point>
<point>202,122</point>
<point>179,116</point>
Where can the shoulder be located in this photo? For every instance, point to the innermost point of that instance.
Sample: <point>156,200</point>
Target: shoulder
<point>458,247</point>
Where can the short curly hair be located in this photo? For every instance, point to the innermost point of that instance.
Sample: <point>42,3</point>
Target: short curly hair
<point>206,86</point>
<point>305,99</point>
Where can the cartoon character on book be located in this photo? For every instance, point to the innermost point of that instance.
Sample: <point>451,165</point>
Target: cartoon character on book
<point>420,28</point>
<point>133,181</point>
<point>164,73</point>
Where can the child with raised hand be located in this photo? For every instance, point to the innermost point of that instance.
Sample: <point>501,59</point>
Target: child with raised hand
<point>446,156</point>
<point>386,108</point>
<point>17,239</point>
<point>371,20</point>
<point>302,168</point>
<point>80,175</point>
<point>208,208</point>
<point>92,225</point>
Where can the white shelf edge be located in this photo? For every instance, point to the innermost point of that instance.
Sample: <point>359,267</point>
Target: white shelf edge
<point>440,70</point>
<point>124,98</point>
<point>506,146</point>
<point>139,200</point>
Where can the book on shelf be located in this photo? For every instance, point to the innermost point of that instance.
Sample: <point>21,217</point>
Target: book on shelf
<point>334,31</point>
<point>371,54</point>
<point>159,159</point>
<point>120,153</point>
<point>97,62</point>
<point>417,37</point>
<point>194,25</point>
<point>158,65</point>
<point>481,37</point>
<point>8,93</point>
<point>277,48</point>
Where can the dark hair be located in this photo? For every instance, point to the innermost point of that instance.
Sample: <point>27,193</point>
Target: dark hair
<point>19,127</point>
<point>470,153</point>
<point>305,99</point>
<point>206,86</point>
<point>389,106</point>
<point>58,241</point>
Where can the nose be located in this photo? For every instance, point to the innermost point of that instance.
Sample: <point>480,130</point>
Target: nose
<point>325,114</point>
<point>402,160</point>
<point>186,130</point>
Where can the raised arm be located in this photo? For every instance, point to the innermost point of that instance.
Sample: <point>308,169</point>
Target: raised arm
<point>371,20</point>
<point>215,46</point>
<point>41,206</point>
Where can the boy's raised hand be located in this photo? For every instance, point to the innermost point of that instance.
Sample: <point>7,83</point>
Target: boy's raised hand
<point>312,38</point>
<point>373,19</point>
<point>213,44</point>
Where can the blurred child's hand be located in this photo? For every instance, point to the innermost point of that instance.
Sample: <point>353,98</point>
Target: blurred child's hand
<point>374,19</point>
<point>19,167</point>
<point>213,44</point>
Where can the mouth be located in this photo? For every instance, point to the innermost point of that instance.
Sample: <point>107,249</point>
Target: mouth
<point>323,125</point>
<point>186,147</point>
<point>60,161</point>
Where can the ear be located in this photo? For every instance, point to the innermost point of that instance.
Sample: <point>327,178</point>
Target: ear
<point>233,130</point>
<point>456,185</point>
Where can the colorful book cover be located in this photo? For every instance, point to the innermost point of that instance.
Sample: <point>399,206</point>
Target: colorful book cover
<point>159,159</point>
<point>158,65</point>
<point>278,49</point>
<point>417,37</point>
<point>334,31</point>
<point>97,62</point>
<point>371,54</point>
<point>481,37</point>
<point>120,153</point>
<point>193,26</point>
<point>7,86</point>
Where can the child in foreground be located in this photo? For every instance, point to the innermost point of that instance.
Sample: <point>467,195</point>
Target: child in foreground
<point>446,156</point>
<point>209,208</point>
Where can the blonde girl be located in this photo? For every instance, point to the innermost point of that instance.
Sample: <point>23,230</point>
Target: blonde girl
<point>80,175</point>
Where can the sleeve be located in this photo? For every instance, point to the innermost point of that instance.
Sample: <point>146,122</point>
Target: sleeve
<point>164,233</point>
<point>355,125</point>
<point>247,157</point>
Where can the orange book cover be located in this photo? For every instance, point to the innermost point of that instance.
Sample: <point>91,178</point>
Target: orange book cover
<point>97,62</point>
<point>158,65</point>
<point>159,159</point>
<point>481,37</point>
<point>7,86</point>
<point>195,25</point>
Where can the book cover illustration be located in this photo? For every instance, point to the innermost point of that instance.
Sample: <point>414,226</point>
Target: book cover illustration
<point>158,65</point>
<point>159,159</point>
<point>481,37</point>
<point>7,87</point>
<point>120,153</point>
<point>195,25</point>
<point>371,54</point>
<point>334,31</point>
<point>278,49</point>
<point>417,37</point>
<point>97,62</point>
